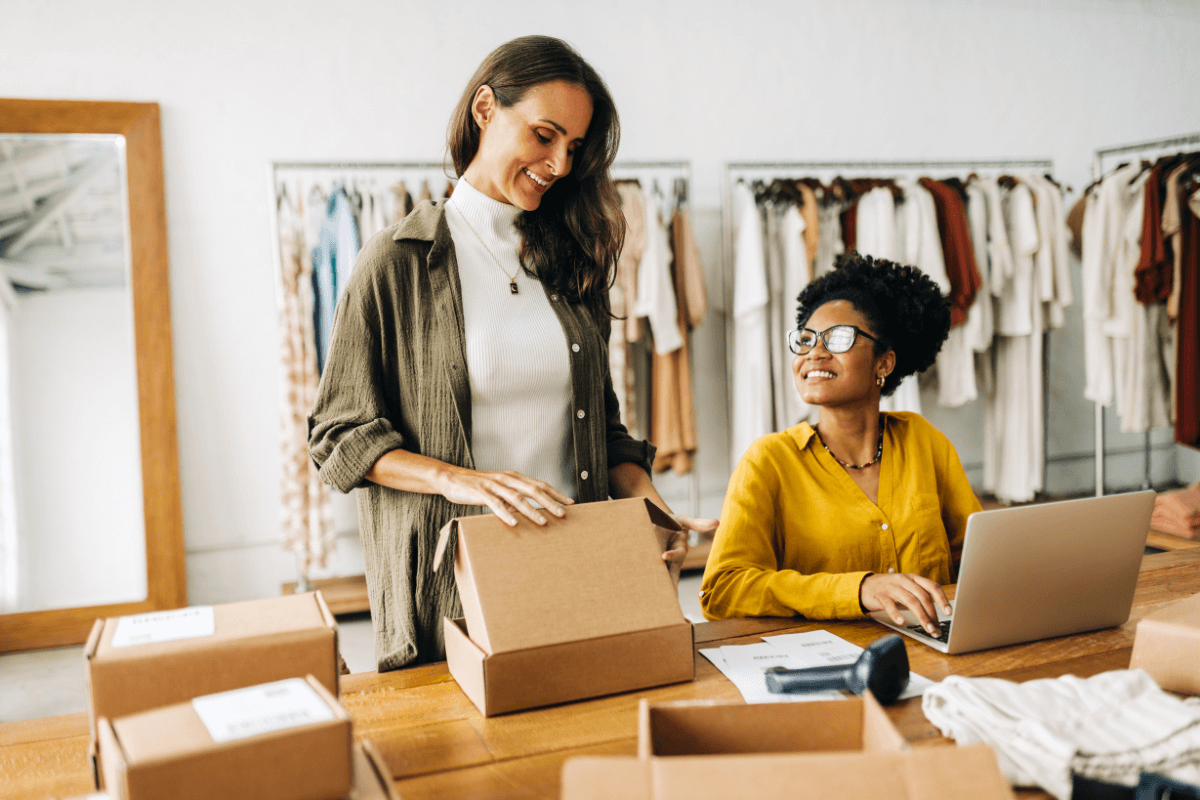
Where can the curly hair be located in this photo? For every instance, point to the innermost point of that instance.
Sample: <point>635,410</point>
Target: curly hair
<point>903,305</point>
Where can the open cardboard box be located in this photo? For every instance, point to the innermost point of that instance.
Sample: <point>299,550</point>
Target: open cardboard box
<point>694,728</point>
<point>781,750</point>
<point>253,642</point>
<point>245,747</point>
<point>1167,646</point>
<point>579,608</point>
<point>371,776</point>
<point>927,773</point>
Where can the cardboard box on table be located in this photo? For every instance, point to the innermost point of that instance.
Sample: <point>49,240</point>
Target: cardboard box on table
<point>781,750</point>
<point>253,642</point>
<point>1167,645</point>
<point>582,607</point>
<point>171,752</point>
<point>695,728</point>
<point>371,776</point>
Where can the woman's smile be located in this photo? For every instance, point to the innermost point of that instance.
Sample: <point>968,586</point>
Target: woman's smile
<point>539,184</point>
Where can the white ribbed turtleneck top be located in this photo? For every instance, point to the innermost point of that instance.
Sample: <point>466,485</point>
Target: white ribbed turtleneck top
<point>517,358</point>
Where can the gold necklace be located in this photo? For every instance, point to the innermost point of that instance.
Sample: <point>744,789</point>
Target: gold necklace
<point>512,279</point>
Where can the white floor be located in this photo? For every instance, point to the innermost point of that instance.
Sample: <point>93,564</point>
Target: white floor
<point>45,683</point>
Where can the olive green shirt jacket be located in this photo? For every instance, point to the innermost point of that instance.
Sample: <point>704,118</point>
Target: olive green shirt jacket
<point>396,378</point>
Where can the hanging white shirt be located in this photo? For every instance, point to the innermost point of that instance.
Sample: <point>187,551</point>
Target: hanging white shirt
<point>875,225</point>
<point>518,361</point>
<point>979,322</point>
<point>923,243</point>
<point>655,288</point>
<point>752,398</point>
<point>1013,447</point>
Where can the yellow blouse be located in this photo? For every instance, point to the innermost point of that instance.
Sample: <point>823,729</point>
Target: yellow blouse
<point>798,535</point>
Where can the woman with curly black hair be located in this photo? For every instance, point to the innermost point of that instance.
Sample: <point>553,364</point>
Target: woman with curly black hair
<point>866,511</point>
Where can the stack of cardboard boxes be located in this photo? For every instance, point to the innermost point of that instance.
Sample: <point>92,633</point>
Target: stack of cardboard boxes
<point>230,701</point>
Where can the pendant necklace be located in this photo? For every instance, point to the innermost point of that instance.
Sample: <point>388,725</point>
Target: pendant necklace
<point>872,462</point>
<point>512,279</point>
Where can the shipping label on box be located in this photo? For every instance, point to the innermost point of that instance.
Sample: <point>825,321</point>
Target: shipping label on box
<point>164,626</point>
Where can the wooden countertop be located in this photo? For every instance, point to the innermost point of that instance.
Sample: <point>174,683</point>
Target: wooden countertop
<point>439,746</point>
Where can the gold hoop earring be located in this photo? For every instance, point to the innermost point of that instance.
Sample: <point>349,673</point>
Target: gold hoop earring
<point>880,381</point>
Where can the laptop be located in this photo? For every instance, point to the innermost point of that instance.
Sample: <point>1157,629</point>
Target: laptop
<point>1039,571</point>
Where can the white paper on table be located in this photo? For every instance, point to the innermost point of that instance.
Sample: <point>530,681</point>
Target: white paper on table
<point>823,649</point>
<point>745,666</point>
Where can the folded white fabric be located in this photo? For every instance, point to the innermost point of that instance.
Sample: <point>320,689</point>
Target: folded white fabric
<point>1110,727</point>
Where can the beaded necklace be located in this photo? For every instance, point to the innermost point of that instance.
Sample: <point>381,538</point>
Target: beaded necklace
<point>872,462</point>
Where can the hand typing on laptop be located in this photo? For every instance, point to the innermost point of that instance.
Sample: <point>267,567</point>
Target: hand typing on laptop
<point>891,592</point>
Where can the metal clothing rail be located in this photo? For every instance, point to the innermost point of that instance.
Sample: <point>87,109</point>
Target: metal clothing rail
<point>1160,147</point>
<point>738,170</point>
<point>278,165</point>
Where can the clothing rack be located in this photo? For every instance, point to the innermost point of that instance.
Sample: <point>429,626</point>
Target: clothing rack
<point>649,171</point>
<point>737,171</point>
<point>1155,147</point>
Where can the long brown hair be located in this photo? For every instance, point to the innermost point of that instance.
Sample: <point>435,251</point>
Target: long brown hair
<point>571,242</point>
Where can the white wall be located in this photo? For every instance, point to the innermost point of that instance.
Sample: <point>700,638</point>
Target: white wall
<point>81,538</point>
<point>241,84</point>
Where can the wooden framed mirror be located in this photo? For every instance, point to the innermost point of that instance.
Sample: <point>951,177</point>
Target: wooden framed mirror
<point>90,515</point>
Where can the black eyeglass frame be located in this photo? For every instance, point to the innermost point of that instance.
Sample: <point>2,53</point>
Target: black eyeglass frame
<point>822,336</point>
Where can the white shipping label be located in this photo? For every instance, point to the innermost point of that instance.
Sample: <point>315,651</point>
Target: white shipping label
<point>164,626</point>
<point>242,713</point>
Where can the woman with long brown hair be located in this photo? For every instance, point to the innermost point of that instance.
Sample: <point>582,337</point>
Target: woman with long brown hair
<point>468,367</point>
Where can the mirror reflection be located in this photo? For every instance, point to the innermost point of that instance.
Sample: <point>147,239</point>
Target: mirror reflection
<point>72,530</point>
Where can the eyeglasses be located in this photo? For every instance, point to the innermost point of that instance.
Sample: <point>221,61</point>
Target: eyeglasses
<point>837,339</point>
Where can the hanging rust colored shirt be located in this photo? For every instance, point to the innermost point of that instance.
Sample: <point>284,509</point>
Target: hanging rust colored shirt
<point>397,379</point>
<point>1153,271</point>
<point>957,249</point>
<point>798,535</point>
<point>1187,338</point>
<point>850,227</point>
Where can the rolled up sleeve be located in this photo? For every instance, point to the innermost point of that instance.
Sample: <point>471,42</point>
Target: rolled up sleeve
<point>351,425</point>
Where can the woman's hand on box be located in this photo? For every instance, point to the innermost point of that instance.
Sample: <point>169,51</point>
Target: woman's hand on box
<point>677,547</point>
<point>505,493</point>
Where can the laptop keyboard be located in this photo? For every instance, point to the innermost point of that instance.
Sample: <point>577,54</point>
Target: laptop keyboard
<point>944,638</point>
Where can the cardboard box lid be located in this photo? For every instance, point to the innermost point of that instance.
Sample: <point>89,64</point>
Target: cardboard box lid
<point>709,728</point>
<point>597,572</point>
<point>931,773</point>
<point>289,614</point>
<point>1183,614</point>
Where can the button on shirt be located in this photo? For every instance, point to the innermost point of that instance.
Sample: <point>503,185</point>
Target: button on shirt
<point>798,536</point>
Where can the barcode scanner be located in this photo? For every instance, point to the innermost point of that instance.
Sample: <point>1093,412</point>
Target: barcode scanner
<point>882,668</point>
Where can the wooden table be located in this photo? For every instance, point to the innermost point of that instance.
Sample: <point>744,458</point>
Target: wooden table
<point>439,746</point>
